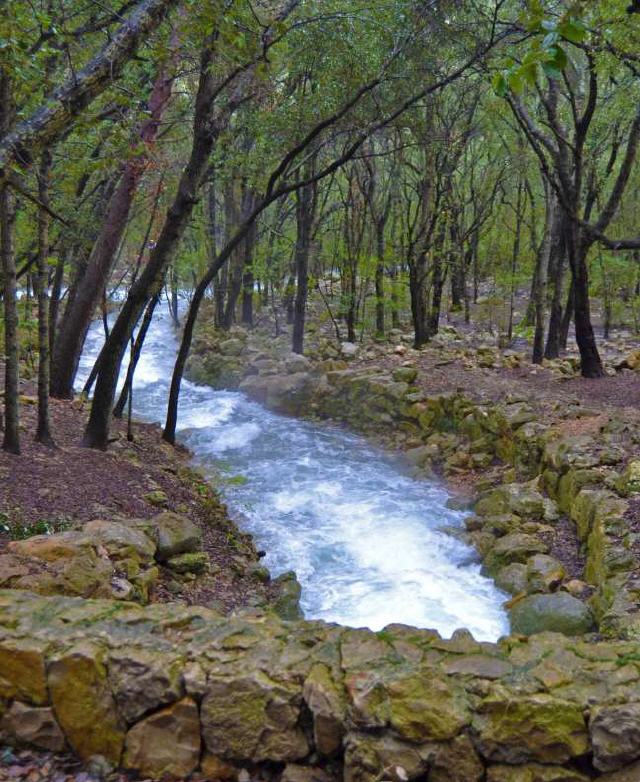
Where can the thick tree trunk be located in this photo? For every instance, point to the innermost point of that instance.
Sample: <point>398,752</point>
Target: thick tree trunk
<point>78,315</point>
<point>417,291</point>
<point>43,430</point>
<point>590,362</point>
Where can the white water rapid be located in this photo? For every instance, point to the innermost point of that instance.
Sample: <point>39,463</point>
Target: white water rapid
<point>362,537</point>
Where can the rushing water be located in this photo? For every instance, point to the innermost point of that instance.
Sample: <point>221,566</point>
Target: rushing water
<point>362,536</point>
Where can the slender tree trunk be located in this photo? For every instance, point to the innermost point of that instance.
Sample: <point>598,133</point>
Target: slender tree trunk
<point>567,317</point>
<point>379,281</point>
<point>11,440</point>
<point>556,275</point>
<point>540,272</point>
<point>125,394</point>
<point>248,279</point>
<point>306,202</point>
<point>43,430</point>
<point>77,317</point>
<point>54,302</point>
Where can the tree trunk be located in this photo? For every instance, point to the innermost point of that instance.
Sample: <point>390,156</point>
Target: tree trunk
<point>538,293</point>
<point>306,202</point>
<point>417,279</point>
<point>11,440</point>
<point>58,112</point>
<point>151,280</point>
<point>43,430</point>
<point>379,281</point>
<point>555,275</point>
<point>578,249</point>
<point>77,317</point>
<point>125,394</point>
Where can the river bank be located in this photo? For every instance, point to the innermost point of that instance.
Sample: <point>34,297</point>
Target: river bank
<point>552,479</point>
<point>59,492</point>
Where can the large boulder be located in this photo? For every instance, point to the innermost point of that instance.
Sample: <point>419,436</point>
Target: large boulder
<point>66,563</point>
<point>559,612</point>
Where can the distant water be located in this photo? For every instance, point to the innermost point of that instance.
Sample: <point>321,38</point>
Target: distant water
<point>362,536</point>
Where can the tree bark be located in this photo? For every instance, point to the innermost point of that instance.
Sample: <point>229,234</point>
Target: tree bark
<point>306,202</point>
<point>11,439</point>
<point>207,128</point>
<point>43,430</point>
<point>59,110</point>
<point>78,315</point>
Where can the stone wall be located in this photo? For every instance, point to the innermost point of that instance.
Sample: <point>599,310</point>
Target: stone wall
<point>164,690</point>
<point>576,485</point>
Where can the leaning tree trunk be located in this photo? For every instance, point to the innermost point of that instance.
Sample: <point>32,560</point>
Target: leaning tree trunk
<point>151,280</point>
<point>127,388</point>
<point>77,317</point>
<point>59,111</point>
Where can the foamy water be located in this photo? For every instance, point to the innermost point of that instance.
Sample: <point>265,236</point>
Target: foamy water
<point>362,536</point>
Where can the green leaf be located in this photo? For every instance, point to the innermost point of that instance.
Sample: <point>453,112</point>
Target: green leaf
<point>500,85</point>
<point>573,30</point>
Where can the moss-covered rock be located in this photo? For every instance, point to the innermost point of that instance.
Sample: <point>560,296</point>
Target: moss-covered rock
<point>559,612</point>
<point>252,718</point>
<point>529,728</point>
<point>544,573</point>
<point>176,534</point>
<point>192,562</point>
<point>83,703</point>
<point>512,578</point>
<point>515,547</point>
<point>534,772</point>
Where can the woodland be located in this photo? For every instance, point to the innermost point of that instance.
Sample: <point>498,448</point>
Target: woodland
<point>320,315</point>
<point>423,153</point>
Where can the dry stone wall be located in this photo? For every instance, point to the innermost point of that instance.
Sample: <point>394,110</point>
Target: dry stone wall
<point>164,690</point>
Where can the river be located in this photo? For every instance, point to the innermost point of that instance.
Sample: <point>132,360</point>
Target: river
<point>362,536</point>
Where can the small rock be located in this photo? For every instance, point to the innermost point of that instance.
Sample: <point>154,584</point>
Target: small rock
<point>176,535</point>
<point>190,563</point>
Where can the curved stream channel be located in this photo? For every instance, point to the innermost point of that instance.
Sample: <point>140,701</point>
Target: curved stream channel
<point>361,535</point>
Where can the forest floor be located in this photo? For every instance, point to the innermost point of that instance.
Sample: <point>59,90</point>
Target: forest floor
<point>45,490</point>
